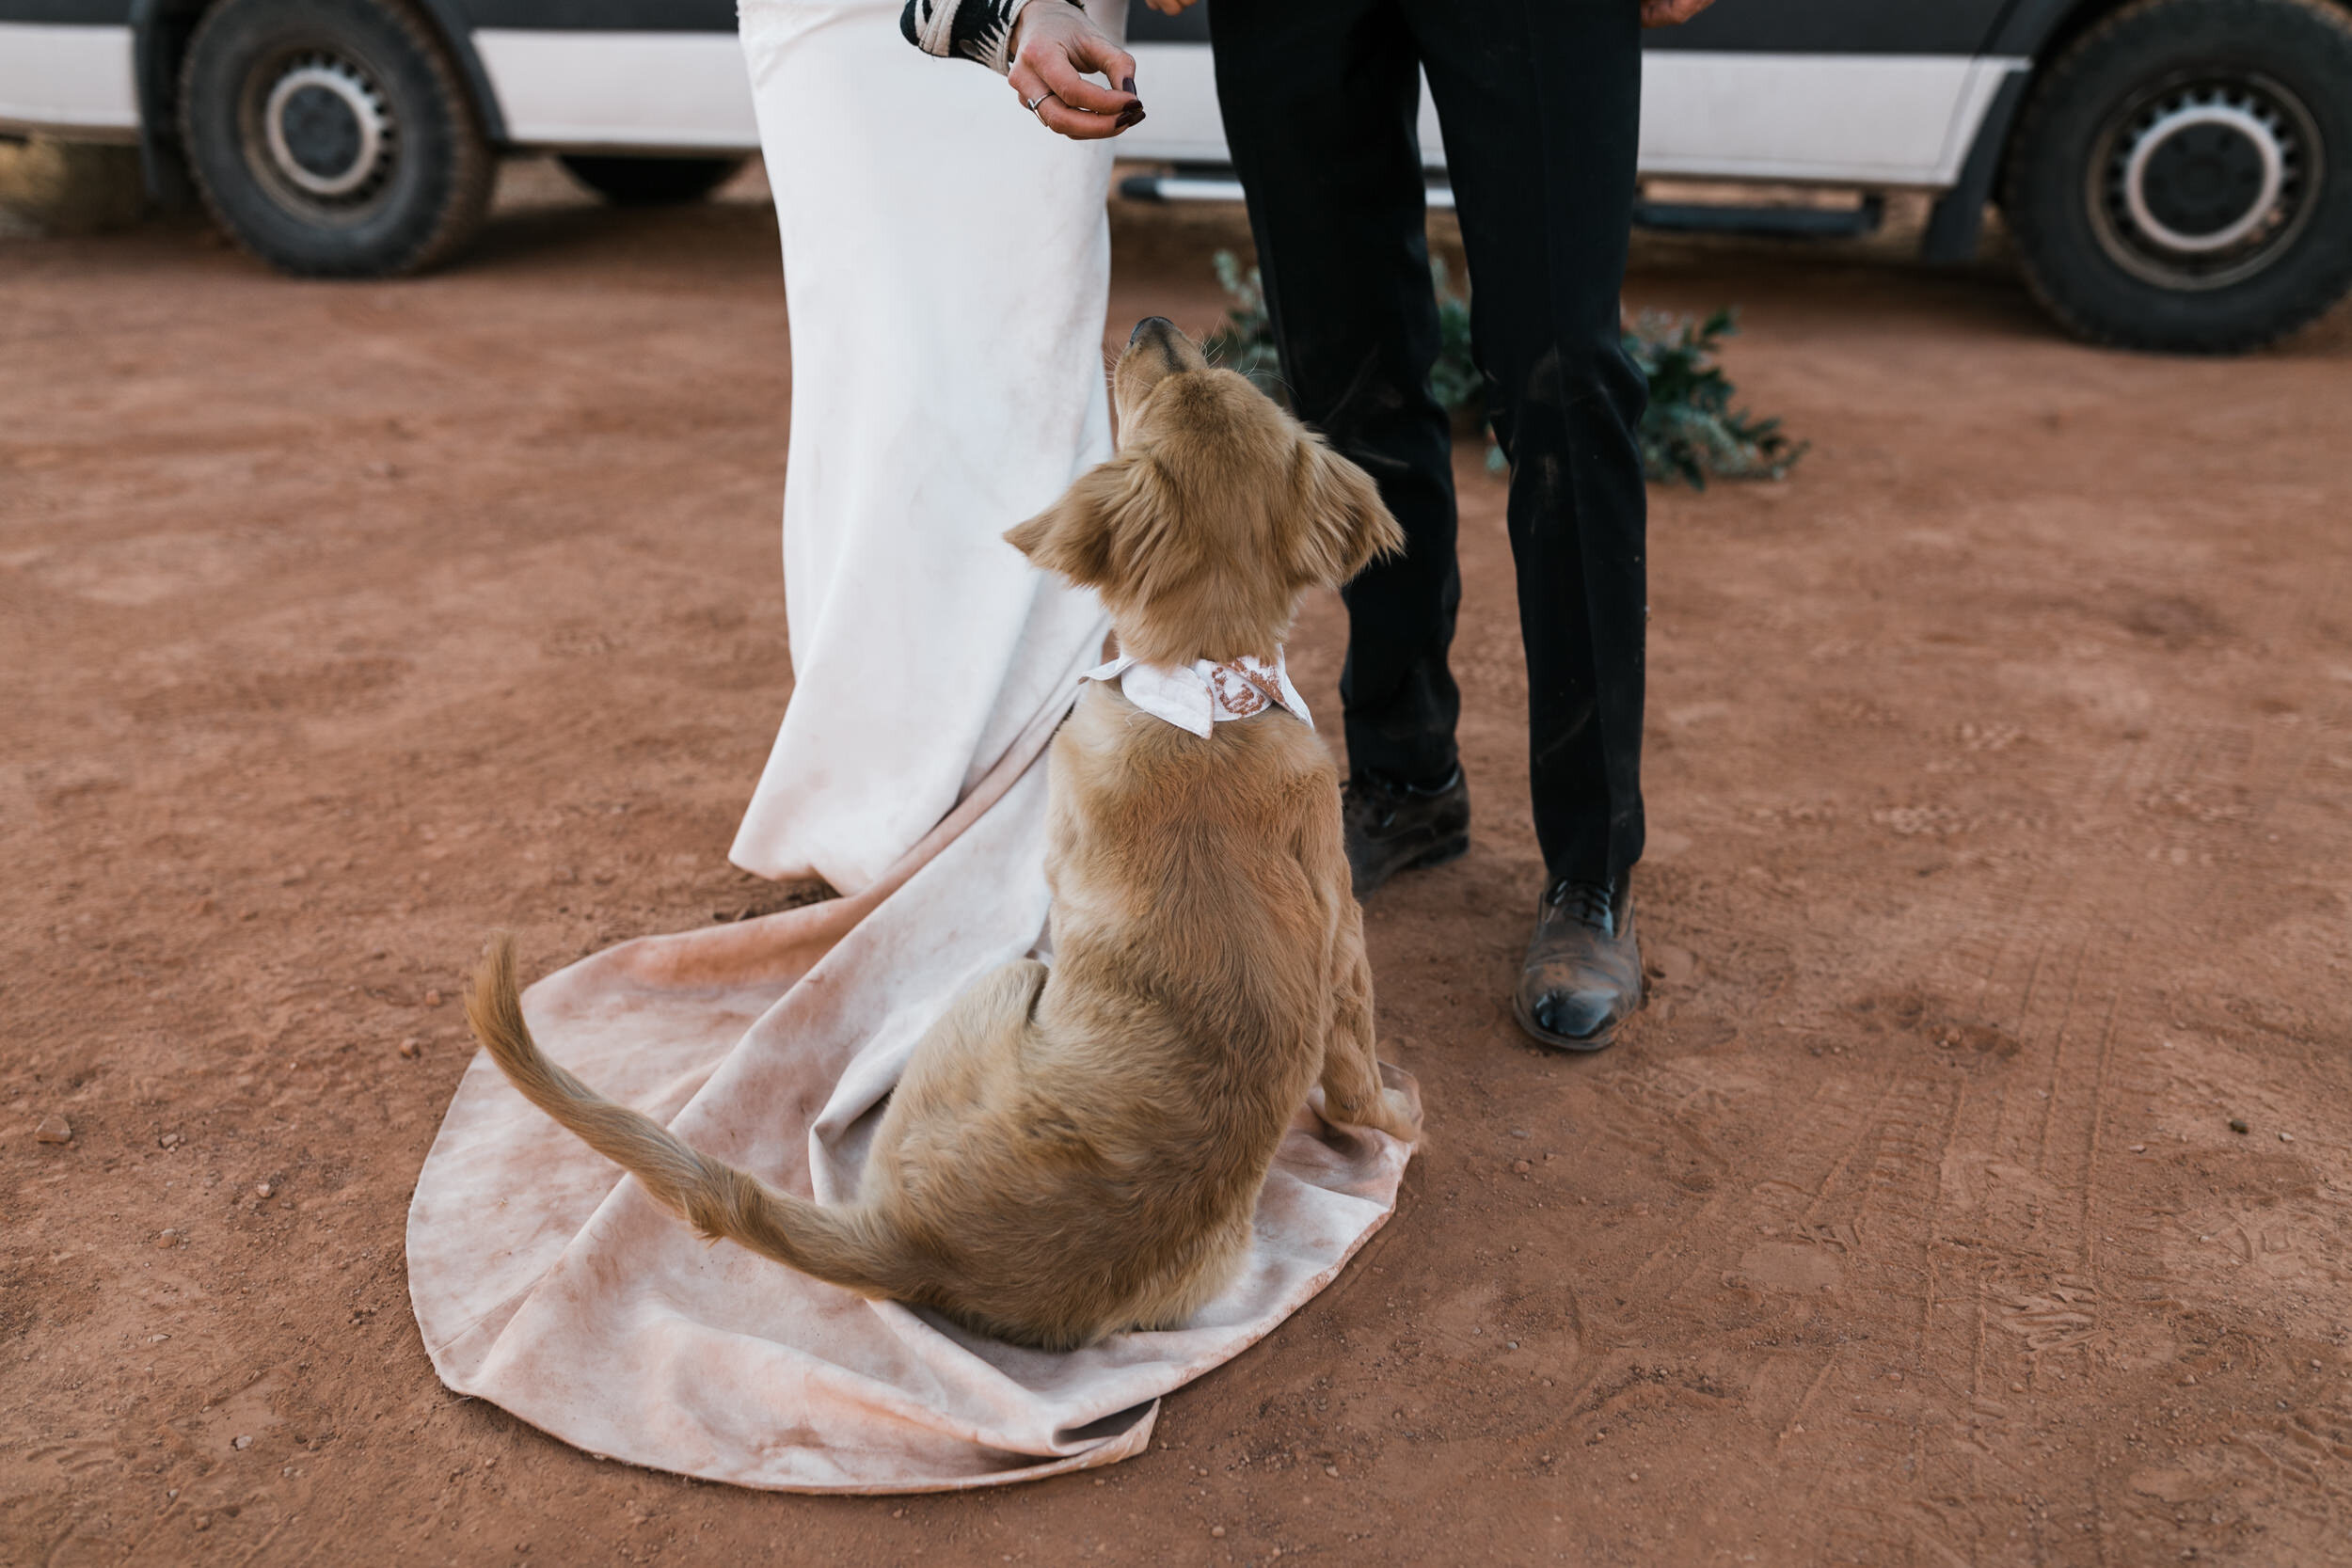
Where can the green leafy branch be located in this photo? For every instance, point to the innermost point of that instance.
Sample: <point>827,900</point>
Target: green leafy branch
<point>1246,342</point>
<point>1690,433</point>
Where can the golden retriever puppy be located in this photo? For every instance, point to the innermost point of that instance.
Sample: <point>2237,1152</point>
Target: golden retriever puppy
<point>1077,1150</point>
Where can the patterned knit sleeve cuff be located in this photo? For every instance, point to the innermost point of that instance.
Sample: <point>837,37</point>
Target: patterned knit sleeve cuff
<point>965,29</point>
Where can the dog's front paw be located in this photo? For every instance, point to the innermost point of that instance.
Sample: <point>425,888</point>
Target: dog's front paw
<point>1397,1115</point>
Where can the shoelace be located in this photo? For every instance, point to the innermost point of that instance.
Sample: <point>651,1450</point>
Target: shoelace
<point>1590,902</point>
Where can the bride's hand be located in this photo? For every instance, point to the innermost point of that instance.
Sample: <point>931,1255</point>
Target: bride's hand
<point>1054,46</point>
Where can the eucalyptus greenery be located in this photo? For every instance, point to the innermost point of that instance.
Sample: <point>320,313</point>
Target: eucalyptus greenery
<point>1689,431</point>
<point>1246,342</point>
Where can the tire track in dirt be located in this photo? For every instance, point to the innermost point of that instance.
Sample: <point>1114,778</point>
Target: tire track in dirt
<point>2093,1250</point>
<point>1919,1278</point>
<point>2040,1282</point>
<point>1885,1217</point>
<point>2044,1283</point>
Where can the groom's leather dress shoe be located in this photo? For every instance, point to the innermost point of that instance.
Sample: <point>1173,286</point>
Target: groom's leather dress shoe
<point>1396,827</point>
<point>1583,973</point>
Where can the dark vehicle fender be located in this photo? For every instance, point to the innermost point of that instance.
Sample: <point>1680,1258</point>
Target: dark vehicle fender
<point>2024,29</point>
<point>1957,219</point>
<point>159,40</point>
<point>2027,27</point>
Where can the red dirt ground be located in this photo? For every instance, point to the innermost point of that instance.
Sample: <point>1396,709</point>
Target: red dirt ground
<point>1974,1190</point>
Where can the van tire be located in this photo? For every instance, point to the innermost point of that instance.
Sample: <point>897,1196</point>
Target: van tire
<point>333,138</point>
<point>2127,172</point>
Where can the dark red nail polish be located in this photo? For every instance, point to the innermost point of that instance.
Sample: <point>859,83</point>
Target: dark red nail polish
<point>1128,86</point>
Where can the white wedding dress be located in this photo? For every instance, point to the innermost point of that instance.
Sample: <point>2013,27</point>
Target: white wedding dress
<point>946,261</point>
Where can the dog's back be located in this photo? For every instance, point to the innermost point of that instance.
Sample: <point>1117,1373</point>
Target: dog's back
<point>1179,877</point>
<point>1197,884</point>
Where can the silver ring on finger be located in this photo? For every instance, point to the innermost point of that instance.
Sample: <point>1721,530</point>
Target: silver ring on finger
<point>1036,106</point>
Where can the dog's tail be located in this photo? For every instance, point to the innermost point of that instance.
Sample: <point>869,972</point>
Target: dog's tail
<point>845,1248</point>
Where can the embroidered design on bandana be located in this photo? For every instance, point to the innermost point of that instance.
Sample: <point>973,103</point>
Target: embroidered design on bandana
<point>1204,694</point>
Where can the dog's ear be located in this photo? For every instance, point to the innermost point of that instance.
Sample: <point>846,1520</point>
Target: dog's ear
<point>1073,535</point>
<point>1340,524</point>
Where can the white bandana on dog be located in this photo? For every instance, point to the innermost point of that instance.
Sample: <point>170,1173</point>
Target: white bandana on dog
<point>1203,693</point>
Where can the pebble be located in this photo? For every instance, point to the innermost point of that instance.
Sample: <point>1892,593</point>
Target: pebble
<point>433,999</point>
<point>1331,1470</point>
<point>410,1046</point>
<point>2237,1124</point>
<point>53,1130</point>
<point>1522,1166</point>
<point>240,1441</point>
<point>1218,1530</point>
<point>260,1189</point>
<point>170,1140</point>
<point>2286,1137</point>
<point>167,1238</point>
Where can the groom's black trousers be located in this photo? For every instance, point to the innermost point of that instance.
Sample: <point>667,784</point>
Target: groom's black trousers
<point>1539,102</point>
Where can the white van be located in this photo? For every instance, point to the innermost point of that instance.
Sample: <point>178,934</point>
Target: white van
<point>2177,173</point>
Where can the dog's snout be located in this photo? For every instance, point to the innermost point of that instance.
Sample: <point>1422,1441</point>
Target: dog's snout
<point>1156,348</point>
<point>1156,351</point>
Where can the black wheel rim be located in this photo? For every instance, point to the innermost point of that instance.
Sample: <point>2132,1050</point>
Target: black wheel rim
<point>2203,181</point>
<point>318,132</point>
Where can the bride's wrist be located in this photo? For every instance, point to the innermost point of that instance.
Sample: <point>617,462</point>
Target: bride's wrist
<point>1030,10</point>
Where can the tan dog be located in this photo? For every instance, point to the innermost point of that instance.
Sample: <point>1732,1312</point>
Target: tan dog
<point>1078,1150</point>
